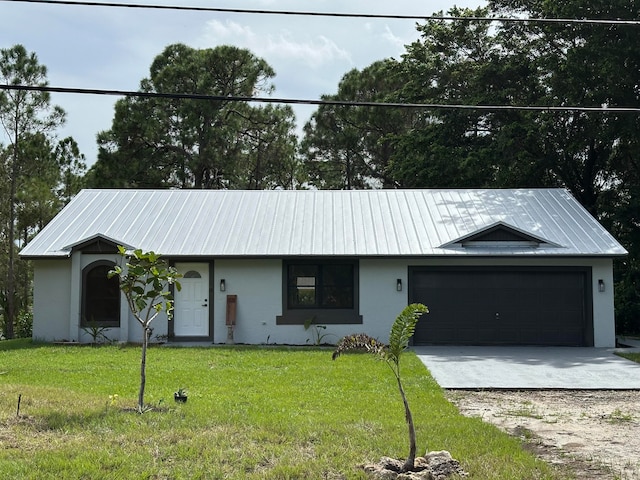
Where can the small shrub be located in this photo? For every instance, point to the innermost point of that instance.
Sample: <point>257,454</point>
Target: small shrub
<point>316,331</point>
<point>24,325</point>
<point>97,332</point>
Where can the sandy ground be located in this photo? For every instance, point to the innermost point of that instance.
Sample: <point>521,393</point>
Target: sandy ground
<point>595,434</point>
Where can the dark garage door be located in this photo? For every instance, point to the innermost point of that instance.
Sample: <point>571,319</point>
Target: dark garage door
<point>508,306</point>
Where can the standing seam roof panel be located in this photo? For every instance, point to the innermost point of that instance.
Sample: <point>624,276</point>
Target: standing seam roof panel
<point>404,234</point>
<point>320,223</point>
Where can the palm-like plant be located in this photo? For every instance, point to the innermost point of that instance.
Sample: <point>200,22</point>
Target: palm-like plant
<point>401,332</point>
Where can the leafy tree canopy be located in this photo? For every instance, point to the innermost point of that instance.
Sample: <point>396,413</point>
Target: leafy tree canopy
<point>29,171</point>
<point>190,143</point>
<point>347,147</point>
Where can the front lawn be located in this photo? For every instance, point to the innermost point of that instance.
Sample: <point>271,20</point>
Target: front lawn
<point>635,356</point>
<point>252,413</point>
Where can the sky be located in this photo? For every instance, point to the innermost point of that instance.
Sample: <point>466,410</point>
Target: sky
<point>113,48</point>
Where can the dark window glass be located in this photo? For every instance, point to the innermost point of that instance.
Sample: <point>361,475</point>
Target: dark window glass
<point>101,297</point>
<point>337,286</point>
<point>323,285</point>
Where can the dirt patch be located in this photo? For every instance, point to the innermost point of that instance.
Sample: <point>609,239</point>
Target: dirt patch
<point>595,434</point>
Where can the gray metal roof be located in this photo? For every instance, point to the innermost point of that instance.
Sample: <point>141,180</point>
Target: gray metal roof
<point>217,223</point>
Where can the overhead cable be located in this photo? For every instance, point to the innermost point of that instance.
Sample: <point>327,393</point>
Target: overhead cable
<point>293,101</point>
<point>571,21</point>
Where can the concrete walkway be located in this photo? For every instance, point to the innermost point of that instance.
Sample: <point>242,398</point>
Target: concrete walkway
<point>530,368</point>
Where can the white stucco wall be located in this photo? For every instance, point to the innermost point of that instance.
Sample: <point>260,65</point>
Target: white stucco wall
<point>604,334</point>
<point>51,294</point>
<point>380,301</point>
<point>57,300</point>
<point>258,285</point>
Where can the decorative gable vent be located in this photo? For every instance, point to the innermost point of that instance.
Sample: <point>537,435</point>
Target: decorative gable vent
<point>500,235</point>
<point>97,244</point>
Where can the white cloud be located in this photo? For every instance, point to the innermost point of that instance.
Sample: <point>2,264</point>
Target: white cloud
<point>230,31</point>
<point>314,52</point>
<point>393,39</point>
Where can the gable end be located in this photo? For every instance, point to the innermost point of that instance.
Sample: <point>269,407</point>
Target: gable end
<point>98,243</point>
<point>500,235</point>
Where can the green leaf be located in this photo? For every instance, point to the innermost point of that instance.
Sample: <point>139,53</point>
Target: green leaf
<point>403,329</point>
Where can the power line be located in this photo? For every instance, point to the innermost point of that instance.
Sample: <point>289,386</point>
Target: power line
<point>568,21</point>
<point>294,101</point>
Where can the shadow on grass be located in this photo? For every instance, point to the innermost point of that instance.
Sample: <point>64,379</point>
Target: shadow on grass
<point>61,420</point>
<point>20,344</point>
<point>55,421</point>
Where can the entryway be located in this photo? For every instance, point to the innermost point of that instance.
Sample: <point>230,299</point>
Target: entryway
<point>192,302</point>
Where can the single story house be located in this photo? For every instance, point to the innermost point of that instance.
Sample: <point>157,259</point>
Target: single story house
<point>494,266</point>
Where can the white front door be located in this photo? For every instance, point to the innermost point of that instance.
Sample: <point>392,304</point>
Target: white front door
<point>191,314</point>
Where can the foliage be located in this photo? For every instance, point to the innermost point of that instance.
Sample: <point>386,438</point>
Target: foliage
<point>316,331</point>
<point>71,166</point>
<point>253,414</point>
<point>97,332</point>
<point>144,281</point>
<point>473,62</point>
<point>401,332</point>
<point>469,63</point>
<point>192,143</point>
<point>27,120</point>
<point>24,325</point>
<point>347,147</point>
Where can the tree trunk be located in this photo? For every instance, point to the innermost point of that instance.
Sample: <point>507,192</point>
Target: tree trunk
<point>10,313</point>
<point>143,369</point>
<point>410,462</point>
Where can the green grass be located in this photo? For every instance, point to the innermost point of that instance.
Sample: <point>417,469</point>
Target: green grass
<point>631,356</point>
<point>252,413</point>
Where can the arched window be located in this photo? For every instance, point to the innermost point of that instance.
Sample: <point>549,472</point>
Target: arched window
<point>100,296</point>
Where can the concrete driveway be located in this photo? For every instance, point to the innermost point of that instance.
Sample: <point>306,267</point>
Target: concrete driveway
<point>530,368</point>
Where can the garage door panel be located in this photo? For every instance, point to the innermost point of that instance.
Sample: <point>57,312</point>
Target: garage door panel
<point>492,306</point>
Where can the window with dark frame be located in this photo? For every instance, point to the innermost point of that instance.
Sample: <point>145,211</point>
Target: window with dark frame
<point>324,289</point>
<point>100,296</point>
<point>321,285</point>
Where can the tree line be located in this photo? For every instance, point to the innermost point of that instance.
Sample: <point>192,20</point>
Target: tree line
<point>192,143</point>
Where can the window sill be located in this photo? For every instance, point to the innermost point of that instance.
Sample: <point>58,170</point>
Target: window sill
<point>322,317</point>
<point>100,325</point>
